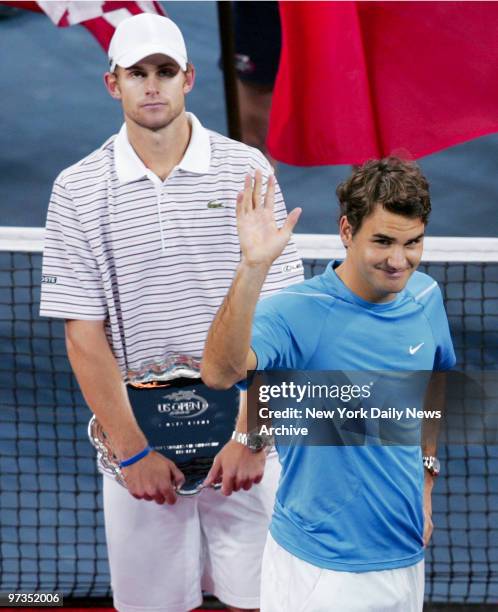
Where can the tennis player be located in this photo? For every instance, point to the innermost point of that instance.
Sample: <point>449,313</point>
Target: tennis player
<point>141,245</point>
<point>350,523</point>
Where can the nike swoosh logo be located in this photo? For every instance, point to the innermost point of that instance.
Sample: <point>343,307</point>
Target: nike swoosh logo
<point>414,349</point>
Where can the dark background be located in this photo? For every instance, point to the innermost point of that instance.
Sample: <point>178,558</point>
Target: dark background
<point>55,110</point>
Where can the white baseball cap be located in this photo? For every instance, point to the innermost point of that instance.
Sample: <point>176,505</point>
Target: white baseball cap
<point>143,35</point>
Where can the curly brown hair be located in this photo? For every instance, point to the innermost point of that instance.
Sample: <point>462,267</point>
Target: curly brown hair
<point>397,185</point>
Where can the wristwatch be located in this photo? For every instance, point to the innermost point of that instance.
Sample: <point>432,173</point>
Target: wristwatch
<point>255,442</point>
<point>432,465</point>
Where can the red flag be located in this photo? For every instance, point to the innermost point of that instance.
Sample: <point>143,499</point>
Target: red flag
<point>100,18</point>
<point>360,80</point>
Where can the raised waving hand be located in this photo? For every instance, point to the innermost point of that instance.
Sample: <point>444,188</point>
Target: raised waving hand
<point>261,241</point>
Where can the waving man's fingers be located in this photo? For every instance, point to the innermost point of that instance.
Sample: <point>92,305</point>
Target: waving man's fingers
<point>292,219</point>
<point>256,194</point>
<point>270,193</point>
<point>247,194</point>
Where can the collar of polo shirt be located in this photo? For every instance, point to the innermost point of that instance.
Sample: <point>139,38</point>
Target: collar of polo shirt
<point>197,158</point>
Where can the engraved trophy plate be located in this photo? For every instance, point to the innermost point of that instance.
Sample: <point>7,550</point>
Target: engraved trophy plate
<point>181,418</point>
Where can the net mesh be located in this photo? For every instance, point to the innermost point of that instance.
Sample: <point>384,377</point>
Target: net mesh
<point>51,519</point>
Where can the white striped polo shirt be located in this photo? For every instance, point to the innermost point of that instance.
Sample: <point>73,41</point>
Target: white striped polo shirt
<point>153,259</point>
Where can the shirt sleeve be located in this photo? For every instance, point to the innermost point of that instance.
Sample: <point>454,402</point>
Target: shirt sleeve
<point>71,284</point>
<point>444,358</point>
<point>287,269</point>
<point>282,338</point>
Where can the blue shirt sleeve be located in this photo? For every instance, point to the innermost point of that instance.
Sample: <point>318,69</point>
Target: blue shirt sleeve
<point>444,358</point>
<point>283,338</point>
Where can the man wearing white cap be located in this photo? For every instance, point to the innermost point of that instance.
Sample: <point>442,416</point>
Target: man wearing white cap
<point>141,246</point>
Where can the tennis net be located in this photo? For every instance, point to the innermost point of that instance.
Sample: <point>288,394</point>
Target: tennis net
<point>51,520</point>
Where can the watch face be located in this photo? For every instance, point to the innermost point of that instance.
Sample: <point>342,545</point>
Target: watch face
<point>436,466</point>
<point>255,441</point>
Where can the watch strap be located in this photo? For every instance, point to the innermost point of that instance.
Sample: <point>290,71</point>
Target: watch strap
<point>240,437</point>
<point>431,464</point>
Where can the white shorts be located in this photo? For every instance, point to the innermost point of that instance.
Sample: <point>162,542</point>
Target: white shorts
<point>162,557</point>
<point>290,584</point>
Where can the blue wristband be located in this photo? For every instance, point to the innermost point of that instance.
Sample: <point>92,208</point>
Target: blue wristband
<point>135,458</point>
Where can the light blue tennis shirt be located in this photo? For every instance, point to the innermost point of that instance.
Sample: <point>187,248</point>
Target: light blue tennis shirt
<point>352,508</point>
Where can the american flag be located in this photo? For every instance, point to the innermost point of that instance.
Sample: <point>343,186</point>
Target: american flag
<point>100,18</point>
